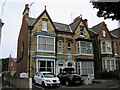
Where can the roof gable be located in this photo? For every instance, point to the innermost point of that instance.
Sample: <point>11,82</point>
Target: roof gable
<point>39,17</point>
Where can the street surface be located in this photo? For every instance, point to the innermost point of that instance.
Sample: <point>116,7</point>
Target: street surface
<point>107,85</point>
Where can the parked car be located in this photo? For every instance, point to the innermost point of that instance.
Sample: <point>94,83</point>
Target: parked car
<point>46,78</point>
<point>70,79</point>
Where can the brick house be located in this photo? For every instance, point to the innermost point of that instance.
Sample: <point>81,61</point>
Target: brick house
<point>103,49</point>
<point>116,44</point>
<point>22,47</point>
<point>52,46</point>
<point>12,65</point>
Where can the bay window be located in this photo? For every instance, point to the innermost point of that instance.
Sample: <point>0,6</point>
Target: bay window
<point>84,47</point>
<point>45,43</point>
<point>109,65</point>
<point>106,46</point>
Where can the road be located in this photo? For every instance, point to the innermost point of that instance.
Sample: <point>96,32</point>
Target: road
<point>109,85</point>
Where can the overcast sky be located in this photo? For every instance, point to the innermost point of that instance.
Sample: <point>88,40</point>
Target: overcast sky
<point>63,11</point>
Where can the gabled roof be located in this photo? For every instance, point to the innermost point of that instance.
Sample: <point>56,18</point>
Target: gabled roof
<point>97,27</point>
<point>92,33</point>
<point>45,11</point>
<point>116,32</point>
<point>62,27</point>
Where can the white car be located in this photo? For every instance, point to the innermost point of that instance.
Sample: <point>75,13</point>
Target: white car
<point>46,78</point>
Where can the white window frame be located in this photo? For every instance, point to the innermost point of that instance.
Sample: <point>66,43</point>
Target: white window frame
<point>38,64</point>
<point>79,48</point>
<point>108,46</point>
<point>87,68</point>
<point>105,64</point>
<point>45,43</point>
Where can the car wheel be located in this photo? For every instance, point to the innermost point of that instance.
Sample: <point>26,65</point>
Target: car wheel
<point>67,83</point>
<point>43,84</point>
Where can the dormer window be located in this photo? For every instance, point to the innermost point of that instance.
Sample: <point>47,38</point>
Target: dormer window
<point>104,34</point>
<point>81,31</point>
<point>44,24</point>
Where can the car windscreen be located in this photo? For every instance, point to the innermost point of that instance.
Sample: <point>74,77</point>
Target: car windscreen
<point>49,75</point>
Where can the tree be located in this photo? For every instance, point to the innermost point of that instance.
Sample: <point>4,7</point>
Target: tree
<point>107,9</point>
<point>5,64</point>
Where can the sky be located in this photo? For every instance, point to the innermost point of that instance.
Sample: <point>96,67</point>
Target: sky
<point>63,11</point>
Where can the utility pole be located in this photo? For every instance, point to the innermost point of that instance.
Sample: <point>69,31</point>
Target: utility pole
<point>30,78</point>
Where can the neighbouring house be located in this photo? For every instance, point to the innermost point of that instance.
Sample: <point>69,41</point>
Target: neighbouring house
<point>116,44</point>
<point>103,49</point>
<point>22,46</point>
<point>53,46</point>
<point>74,47</point>
<point>1,24</point>
<point>12,65</point>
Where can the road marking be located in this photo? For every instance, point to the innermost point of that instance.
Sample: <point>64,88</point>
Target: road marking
<point>115,86</point>
<point>38,87</point>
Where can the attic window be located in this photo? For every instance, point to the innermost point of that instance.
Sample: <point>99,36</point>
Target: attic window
<point>104,34</point>
<point>81,31</point>
<point>44,24</point>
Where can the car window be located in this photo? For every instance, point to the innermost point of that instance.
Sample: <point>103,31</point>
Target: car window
<point>49,75</point>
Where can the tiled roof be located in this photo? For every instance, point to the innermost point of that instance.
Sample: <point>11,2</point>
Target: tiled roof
<point>59,26</point>
<point>116,32</point>
<point>97,27</point>
<point>74,25</point>
<point>62,27</point>
<point>92,33</point>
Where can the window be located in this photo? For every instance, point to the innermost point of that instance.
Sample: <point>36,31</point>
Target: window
<point>109,65</point>
<point>60,46</point>
<point>106,47</point>
<point>46,43</point>
<point>46,65</point>
<point>11,63</point>
<point>104,34</point>
<point>115,49</point>
<point>84,47</point>
<point>103,47</point>
<point>87,68</point>
<point>69,47</point>
<point>44,25</point>
<point>82,31</point>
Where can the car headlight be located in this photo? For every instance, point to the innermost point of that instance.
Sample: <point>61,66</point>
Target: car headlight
<point>48,80</point>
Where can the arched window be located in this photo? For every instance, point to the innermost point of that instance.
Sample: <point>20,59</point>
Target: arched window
<point>104,34</point>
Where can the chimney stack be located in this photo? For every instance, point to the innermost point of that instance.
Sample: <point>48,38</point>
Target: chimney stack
<point>26,11</point>
<point>85,21</point>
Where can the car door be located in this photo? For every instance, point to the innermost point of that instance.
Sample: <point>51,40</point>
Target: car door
<point>40,78</point>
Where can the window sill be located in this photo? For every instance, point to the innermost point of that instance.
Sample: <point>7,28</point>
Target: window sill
<point>45,51</point>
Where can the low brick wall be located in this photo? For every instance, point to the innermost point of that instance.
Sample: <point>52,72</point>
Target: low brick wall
<point>21,83</point>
